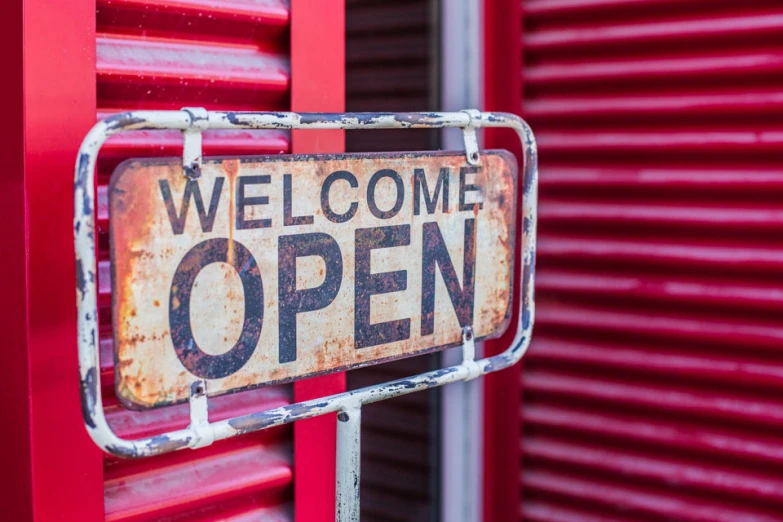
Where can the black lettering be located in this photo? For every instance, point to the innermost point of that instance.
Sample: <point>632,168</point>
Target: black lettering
<point>243,201</point>
<point>190,355</point>
<point>431,202</point>
<point>326,207</point>
<point>207,219</point>
<point>293,301</point>
<point>435,252</point>
<point>467,187</point>
<point>369,284</point>
<point>385,173</point>
<point>288,218</point>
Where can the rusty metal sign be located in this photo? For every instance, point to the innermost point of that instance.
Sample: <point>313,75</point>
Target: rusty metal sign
<point>262,270</point>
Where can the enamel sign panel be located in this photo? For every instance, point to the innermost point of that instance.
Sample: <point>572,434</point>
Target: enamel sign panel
<point>271,269</point>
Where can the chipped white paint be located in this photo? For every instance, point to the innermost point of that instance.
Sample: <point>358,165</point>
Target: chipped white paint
<point>349,466</point>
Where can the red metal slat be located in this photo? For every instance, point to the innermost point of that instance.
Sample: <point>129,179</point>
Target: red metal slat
<point>543,511</point>
<point>244,511</point>
<point>682,106</point>
<point>689,474</point>
<point>716,217</point>
<point>718,293</point>
<point>215,143</point>
<point>133,424</point>
<point>660,362</point>
<point>235,20</point>
<point>152,73</point>
<point>635,503</point>
<point>166,490</point>
<point>600,72</point>
<point>681,327</point>
<point>657,32</point>
<point>627,142</point>
<point>682,401</point>
<point>664,433</point>
<point>540,8</point>
<point>663,253</point>
<point>131,59</point>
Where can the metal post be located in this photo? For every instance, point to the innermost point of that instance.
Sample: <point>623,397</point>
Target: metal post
<point>349,463</point>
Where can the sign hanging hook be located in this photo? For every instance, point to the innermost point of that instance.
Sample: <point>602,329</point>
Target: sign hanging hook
<point>469,134</point>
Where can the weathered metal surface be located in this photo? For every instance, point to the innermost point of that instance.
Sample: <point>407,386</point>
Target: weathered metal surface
<point>349,463</point>
<point>264,270</point>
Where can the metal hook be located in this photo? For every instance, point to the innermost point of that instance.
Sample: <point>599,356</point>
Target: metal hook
<point>469,134</point>
<point>469,353</point>
<point>204,435</point>
<point>191,151</point>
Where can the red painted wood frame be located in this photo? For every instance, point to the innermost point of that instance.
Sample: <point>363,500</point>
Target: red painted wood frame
<point>317,85</point>
<point>52,471</point>
<point>502,87</point>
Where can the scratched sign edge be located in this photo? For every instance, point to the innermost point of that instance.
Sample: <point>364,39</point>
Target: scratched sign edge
<point>131,163</point>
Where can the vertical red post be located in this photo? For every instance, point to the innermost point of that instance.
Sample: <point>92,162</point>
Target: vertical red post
<point>15,450</point>
<point>502,390</point>
<point>52,471</point>
<point>317,85</point>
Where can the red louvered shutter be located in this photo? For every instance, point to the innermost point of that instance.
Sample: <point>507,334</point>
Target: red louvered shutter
<point>154,54</point>
<point>651,391</point>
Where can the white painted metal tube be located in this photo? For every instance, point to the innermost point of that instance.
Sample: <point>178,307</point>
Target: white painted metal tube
<point>86,270</point>
<point>349,463</point>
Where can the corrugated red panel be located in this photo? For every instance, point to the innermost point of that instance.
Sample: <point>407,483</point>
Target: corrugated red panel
<point>652,389</point>
<point>168,54</point>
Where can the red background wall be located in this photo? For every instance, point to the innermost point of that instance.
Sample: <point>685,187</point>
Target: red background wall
<point>652,389</point>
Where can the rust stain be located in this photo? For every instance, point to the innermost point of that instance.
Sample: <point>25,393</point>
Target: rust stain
<point>231,168</point>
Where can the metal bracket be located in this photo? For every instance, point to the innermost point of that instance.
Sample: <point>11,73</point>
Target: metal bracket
<point>199,416</point>
<point>191,150</point>
<point>469,134</point>
<point>201,432</point>
<point>469,353</point>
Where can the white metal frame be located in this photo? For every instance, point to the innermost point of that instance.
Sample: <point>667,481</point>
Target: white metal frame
<point>201,432</point>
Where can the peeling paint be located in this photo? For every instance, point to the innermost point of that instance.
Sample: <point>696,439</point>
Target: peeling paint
<point>88,399</point>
